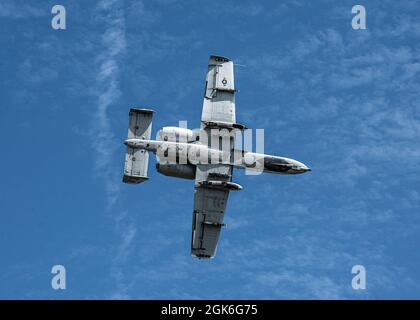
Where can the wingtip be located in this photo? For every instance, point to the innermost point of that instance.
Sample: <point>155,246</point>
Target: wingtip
<point>219,58</point>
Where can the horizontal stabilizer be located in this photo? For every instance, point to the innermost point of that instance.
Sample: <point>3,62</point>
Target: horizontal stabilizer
<point>136,159</point>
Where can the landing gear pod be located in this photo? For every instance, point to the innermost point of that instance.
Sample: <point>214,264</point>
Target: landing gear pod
<point>136,159</point>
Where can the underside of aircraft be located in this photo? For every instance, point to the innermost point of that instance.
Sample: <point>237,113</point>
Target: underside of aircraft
<point>206,155</point>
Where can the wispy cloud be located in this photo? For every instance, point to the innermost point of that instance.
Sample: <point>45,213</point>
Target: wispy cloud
<point>107,92</point>
<point>342,86</point>
<point>349,114</point>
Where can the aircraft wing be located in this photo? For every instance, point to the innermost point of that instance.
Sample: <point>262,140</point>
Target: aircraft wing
<point>219,93</point>
<point>214,181</point>
<point>212,185</point>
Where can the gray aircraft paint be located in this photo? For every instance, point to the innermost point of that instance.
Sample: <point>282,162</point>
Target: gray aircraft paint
<point>206,155</point>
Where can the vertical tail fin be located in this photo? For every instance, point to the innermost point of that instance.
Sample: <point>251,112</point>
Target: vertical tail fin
<point>136,160</point>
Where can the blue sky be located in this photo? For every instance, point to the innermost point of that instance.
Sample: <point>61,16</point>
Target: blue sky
<point>343,101</point>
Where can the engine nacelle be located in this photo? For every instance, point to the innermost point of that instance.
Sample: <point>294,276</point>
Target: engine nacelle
<point>184,171</point>
<point>175,134</point>
<point>249,160</point>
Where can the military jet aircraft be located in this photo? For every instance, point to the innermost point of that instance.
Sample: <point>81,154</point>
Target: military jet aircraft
<point>206,155</point>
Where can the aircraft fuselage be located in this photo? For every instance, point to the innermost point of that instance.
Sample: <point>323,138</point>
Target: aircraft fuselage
<point>195,153</point>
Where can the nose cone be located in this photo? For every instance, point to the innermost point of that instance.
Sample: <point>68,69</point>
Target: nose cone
<point>301,168</point>
<point>284,165</point>
<point>304,168</point>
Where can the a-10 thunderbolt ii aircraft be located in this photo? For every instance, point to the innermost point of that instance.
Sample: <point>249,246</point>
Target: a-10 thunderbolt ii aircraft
<point>206,155</point>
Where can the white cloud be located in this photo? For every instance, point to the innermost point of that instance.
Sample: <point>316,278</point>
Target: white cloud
<point>107,92</point>
<point>353,94</point>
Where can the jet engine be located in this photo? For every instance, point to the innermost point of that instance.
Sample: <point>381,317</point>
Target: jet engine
<point>184,171</point>
<point>175,134</point>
